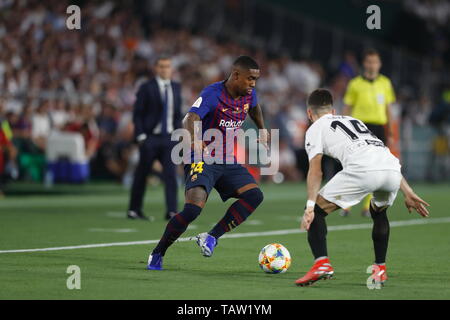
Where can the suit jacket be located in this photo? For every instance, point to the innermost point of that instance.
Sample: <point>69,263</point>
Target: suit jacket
<point>149,106</point>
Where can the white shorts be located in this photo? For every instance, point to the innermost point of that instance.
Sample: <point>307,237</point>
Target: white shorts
<point>347,189</point>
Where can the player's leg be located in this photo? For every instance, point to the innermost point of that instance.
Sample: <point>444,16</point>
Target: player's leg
<point>249,198</point>
<point>317,239</point>
<point>337,193</point>
<point>317,232</point>
<point>199,181</point>
<point>177,225</point>
<point>380,238</point>
<point>342,191</point>
<point>235,182</point>
<point>238,183</point>
<point>380,232</point>
<point>380,203</point>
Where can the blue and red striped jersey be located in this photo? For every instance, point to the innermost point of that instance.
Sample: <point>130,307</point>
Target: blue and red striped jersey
<point>218,110</point>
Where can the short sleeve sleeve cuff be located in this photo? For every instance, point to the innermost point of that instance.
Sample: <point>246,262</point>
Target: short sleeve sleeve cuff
<point>313,142</point>
<point>204,104</point>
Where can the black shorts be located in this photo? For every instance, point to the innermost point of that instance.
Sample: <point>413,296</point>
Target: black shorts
<point>225,178</point>
<point>378,130</point>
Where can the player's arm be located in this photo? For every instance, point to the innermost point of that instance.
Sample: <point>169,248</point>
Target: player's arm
<point>192,120</point>
<point>257,117</point>
<point>313,182</point>
<point>314,178</point>
<point>189,123</point>
<point>412,200</point>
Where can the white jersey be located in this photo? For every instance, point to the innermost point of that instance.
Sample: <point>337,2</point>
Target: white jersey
<point>349,141</point>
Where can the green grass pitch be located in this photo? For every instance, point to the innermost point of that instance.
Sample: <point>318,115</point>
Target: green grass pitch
<point>418,256</point>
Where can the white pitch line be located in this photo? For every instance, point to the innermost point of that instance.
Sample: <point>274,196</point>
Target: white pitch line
<point>123,230</point>
<point>241,235</point>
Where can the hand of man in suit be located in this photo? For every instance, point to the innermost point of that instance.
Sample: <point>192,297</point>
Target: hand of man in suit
<point>140,139</point>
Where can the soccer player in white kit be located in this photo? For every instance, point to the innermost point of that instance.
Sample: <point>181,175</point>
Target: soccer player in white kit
<point>368,167</point>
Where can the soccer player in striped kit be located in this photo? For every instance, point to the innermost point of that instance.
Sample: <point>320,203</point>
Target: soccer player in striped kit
<point>224,106</point>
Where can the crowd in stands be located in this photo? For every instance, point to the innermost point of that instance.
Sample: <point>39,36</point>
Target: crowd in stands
<point>52,78</point>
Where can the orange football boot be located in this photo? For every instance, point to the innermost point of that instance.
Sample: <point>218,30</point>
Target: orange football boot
<point>379,274</point>
<point>321,269</point>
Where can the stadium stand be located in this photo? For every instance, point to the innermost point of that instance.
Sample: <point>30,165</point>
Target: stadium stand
<point>52,78</point>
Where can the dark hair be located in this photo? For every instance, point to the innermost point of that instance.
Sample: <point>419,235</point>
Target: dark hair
<point>320,100</point>
<point>370,52</point>
<point>245,62</point>
<point>161,57</point>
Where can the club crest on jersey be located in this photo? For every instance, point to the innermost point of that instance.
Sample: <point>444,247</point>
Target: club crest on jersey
<point>194,177</point>
<point>246,107</point>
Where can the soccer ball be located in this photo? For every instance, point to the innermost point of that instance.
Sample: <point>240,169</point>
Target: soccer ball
<point>274,258</point>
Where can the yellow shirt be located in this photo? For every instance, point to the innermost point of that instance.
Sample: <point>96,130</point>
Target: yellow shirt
<point>369,99</point>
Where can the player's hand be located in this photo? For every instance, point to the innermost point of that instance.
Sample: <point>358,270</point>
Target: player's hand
<point>413,201</point>
<point>308,217</point>
<point>264,138</point>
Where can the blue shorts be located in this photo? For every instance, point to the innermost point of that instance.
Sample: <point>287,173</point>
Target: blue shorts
<point>225,178</point>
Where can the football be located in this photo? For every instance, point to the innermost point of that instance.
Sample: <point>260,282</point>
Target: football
<point>274,258</point>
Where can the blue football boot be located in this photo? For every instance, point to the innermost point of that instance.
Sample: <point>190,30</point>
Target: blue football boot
<point>207,243</point>
<point>155,262</point>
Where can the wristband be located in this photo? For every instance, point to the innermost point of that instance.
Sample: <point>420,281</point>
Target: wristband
<point>310,203</point>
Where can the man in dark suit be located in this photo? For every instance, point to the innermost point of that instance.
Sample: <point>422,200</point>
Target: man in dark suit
<point>157,112</point>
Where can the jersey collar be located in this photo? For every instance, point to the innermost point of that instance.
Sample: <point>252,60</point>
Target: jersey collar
<point>370,80</point>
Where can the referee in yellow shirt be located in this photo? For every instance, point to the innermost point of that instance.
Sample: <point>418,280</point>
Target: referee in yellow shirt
<point>368,98</point>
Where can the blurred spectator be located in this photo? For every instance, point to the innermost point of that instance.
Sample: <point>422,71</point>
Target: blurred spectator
<point>86,125</point>
<point>292,123</point>
<point>41,126</point>
<point>85,81</point>
<point>288,163</point>
<point>8,152</point>
<point>349,67</point>
<point>439,162</point>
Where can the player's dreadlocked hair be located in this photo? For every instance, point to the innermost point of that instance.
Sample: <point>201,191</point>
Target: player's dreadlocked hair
<point>245,62</point>
<point>320,100</point>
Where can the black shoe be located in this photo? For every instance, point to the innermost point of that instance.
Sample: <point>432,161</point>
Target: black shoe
<point>136,215</point>
<point>170,215</point>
